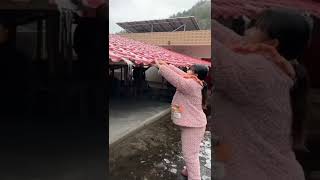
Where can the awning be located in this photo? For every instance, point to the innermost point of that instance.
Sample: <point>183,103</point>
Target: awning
<point>161,25</point>
<point>236,8</point>
<point>121,48</point>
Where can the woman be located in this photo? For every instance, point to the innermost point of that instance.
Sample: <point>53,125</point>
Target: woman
<point>187,112</point>
<point>260,96</point>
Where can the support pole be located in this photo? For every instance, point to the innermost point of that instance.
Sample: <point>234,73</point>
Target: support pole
<point>183,25</point>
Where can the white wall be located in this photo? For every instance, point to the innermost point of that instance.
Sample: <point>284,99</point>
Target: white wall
<point>152,76</point>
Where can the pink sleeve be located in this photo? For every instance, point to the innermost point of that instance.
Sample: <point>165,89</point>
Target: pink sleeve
<point>235,74</point>
<point>224,34</point>
<point>177,70</point>
<point>173,78</point>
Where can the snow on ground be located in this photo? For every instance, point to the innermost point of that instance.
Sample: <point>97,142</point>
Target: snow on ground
<point>205,156</point>
<point>205,159</point>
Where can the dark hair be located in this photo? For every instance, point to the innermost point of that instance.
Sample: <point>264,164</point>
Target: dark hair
<point>289,27</point>
<point>202,72</point>
<point>293,32</point>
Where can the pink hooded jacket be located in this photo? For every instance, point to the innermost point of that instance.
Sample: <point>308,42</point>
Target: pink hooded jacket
<point>188,98</point>
<point>252,113</point>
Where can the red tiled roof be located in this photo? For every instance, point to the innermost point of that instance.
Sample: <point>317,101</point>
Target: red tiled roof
<point>142,53</point>
<point>235,8</point>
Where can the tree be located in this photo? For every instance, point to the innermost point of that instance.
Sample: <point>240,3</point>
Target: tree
<point>201,11</point>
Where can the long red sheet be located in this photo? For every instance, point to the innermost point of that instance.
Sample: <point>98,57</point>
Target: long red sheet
<point>142,53</point>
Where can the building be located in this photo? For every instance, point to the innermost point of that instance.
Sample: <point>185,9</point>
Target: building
<point>181,35</point>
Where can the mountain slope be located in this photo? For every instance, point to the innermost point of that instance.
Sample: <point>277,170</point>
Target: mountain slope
<point>201,11</point>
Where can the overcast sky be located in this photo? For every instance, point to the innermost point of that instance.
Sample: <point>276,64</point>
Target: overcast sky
<point>137,10</point>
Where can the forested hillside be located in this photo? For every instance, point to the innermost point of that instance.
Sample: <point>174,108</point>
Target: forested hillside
<point>201,11</point>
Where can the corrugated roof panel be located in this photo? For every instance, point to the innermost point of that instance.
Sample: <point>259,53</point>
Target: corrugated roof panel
<point>142,53</point>
<point>162,25</point>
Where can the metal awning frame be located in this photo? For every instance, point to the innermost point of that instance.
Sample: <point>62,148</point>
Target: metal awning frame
<point>175,24</point>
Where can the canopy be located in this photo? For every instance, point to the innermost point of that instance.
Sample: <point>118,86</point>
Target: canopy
<point>162,25</point>
<point>236,8</point>
<point>121,48</point>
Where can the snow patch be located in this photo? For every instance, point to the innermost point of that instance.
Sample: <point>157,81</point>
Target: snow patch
<point>208,164</point>
<point>205,150</point>
<point>173,170</point>
<point>205,178</point>
<point>167,161</point>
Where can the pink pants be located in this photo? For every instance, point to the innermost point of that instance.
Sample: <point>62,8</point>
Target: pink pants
<point>191,139</point>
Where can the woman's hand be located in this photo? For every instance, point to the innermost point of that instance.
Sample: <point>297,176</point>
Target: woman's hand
<point>158,63</point>
<point>162,62</point>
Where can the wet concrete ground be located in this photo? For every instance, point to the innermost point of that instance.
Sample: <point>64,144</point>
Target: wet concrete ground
<point>155,153</point>
<point>121,123</point>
